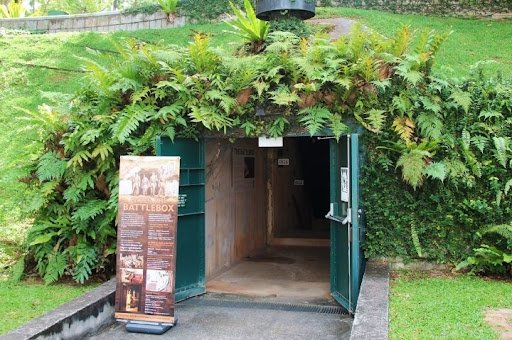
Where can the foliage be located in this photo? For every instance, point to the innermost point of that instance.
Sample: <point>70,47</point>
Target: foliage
<point>291,24</point>
<point>495,258</point>
<point>206,10</point>
<point>168,6</point>
<point>417,122</point>
<point>247,26</point>
<point>13,9</point>
<point>79,6</point>
<point>442,306</point>
<point>142,7</point>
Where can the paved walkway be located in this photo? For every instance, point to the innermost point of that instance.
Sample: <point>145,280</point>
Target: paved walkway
<point>198,320</point>
<point>342,26</point>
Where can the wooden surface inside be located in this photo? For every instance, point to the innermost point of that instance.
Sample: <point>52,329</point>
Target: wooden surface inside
<point>300,192</point>
<point>235,206</point>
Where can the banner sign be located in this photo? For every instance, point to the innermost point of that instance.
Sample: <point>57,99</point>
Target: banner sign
<point>146,238</point>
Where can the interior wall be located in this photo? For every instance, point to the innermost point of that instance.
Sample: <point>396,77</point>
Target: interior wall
<point>300,186</point>
<point>292,206</point>
<point>235,202</point>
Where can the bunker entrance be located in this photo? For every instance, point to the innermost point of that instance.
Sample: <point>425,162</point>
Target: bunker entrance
<point>266,231</point>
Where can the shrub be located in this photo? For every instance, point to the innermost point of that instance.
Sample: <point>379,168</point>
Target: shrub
<point>291,24</point>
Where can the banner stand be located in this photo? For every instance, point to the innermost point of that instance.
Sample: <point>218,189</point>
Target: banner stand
<point>148,327</point>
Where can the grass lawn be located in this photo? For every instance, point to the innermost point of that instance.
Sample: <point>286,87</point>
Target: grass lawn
<point>446,307</point>
<point>22,302</point>
<point>472,40</point>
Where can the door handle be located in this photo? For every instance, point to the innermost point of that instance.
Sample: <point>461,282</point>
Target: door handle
<point>330,216</point>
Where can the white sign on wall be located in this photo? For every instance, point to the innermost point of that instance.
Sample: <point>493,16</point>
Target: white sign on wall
<point>265,142</point>
<point>345,184</point>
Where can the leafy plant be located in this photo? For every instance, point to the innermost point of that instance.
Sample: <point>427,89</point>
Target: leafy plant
<point>247,26</point>
<point>495,258</point>
<point>168,6</point>
<point>13,9</point>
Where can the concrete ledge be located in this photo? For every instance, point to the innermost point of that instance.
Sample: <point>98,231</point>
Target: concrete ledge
<point>78,318</point>
<point>372,312</point>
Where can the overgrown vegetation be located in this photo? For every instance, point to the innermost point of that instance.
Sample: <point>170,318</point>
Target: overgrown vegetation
<point>494,255</point>
<point>426,126</point>
<point>444,307</point>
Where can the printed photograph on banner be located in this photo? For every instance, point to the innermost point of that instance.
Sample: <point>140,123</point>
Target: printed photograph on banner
<point>134,261</point>
<point>159,281</point>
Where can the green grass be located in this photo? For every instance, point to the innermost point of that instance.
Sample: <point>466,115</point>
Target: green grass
<point>24,301</point>
<point>472,40</point>
<point>444,307</point>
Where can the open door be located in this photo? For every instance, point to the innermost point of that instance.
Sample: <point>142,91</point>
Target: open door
<point>190,258</point>
<point>346,227</point>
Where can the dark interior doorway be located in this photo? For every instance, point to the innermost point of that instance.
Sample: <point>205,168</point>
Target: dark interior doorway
<point>301,197</point>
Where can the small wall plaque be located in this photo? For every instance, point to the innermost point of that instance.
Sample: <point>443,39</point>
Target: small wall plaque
<point>283,161</point>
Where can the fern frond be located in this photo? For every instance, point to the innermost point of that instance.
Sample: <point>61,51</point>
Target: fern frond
<point>314,118</point>
<point>85,258</point>
<point>430,125</point>
<point>89,210</point>
<point>413,166</point>
<point>404,127</point>
<point>501,148</point>
<point>462,99</point>
<point>436,170</point>
<point>130,119</point>
<point>50,167</point>
<point>57,265</point>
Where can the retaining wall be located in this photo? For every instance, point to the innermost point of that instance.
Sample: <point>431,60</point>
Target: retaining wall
<point>471,8</point>
<point>97,22</point>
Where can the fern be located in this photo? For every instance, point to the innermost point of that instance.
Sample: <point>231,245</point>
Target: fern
<point>430,125</point>
<point>89,210</point>
<point>338,128</point>
<point>501,147</point>
<point>480,142</point>
<point>436,170</point>
<point>50,167</point>
<point>131,118</point>
<point>462,99</point>
<point>486,115</point>
<point>314,118</point>
<point>404,127</point>
<point>375,119</point>
<point>283,97</point>
<point>413,166</point>
<point>277,127</point>
<point>57,265</point>
<point>85,259</point>
<point>416,241</point>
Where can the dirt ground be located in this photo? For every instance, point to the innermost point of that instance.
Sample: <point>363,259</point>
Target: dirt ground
<point>501,321</point>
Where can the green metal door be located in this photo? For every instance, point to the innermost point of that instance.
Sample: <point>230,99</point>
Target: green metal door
<point>190,257</point>
<point>346,227</point>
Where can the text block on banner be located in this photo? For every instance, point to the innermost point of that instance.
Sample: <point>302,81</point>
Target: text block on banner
<point>146,238</point>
